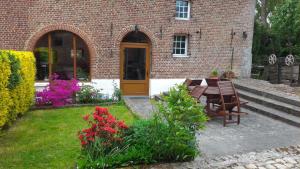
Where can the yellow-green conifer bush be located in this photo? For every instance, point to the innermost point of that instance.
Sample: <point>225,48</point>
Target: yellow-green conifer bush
<point>5,99</point>
<point>23,94</point>
<point>17,76</point>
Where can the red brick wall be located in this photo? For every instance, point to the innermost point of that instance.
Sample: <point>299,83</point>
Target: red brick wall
<point>25,21</point>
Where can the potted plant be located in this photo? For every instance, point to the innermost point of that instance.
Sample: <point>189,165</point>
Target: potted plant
<point>228,74</point>
<point>81,74</point>
<point>42,54</point>
<point>214,74</point>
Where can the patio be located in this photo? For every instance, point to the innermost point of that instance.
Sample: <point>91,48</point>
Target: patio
<point>257,142</point>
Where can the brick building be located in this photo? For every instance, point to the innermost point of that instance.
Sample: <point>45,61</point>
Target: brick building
<point>146,46</point>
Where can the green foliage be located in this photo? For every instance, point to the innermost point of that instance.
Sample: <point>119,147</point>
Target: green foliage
<point>47,138</point>
<point>180,109</point>
<point>15,77</point>
<point>42,54</point>
<point>81,74</point>
<point>282,35</point>
<point>286,26</point>
<point>117,94</point>
<point>168,137</point>
<point>214,73</point>
<point>89,94</point>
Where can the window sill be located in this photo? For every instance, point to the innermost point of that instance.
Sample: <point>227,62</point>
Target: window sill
<point>180,56</point>
<point>44,84</point>
<point>182,19</point>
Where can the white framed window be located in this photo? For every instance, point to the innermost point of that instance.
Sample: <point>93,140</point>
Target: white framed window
<point>180,46</point>
<point>183,9</point>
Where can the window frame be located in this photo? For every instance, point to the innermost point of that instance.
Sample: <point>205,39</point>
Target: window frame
<point>188,12</point>
<point>73,51</point>
<point>186,46</point>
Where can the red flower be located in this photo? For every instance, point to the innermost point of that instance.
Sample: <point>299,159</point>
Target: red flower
<point>99,118</point>
<point>83,143</point>
<point>101,110</point>
<point>91,139</point>
<point>103,126</point>
<point>86,117</point>
<point>110,130</point>
<point>122,125</point>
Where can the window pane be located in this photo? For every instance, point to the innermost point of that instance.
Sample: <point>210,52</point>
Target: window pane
<point>182,51</point>
<point>182,8</point>
<point>41,55</point>
<point>179,46</point>
<point>62,64</point>
<point>135,64</point>
<point>82,60</point>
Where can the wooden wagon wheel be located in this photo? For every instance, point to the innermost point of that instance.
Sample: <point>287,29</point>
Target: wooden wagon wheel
<point>289,60</point>
<point>272,59</point>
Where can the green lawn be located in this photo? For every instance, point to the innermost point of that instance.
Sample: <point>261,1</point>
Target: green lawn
<point>48,138</point>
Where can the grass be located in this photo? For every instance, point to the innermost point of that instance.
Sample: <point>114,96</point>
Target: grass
<point>48,138</point>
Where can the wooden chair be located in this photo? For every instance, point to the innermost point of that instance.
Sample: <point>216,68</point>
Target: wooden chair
<point>229,101</point>
<point>197,92</point>
<point>191,83</point>
<point>213,83</point>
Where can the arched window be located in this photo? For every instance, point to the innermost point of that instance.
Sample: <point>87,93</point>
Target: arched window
<point>64,54</point>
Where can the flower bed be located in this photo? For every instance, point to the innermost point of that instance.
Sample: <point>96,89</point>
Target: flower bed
<point>168,137</point>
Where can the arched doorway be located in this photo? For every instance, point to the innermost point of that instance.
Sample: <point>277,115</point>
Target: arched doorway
<point>135,64</point>
<point>62,53</point>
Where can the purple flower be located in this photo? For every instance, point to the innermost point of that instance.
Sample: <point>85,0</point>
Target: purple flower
<point>58,92</point>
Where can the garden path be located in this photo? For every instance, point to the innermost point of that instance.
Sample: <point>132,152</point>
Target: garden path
<point>142,106</point>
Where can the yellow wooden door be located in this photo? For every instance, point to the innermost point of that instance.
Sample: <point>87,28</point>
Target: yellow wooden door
<point>134,69</point>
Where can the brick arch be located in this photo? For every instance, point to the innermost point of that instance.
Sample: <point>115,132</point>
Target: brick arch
<point>31,42</point>
<point>126,30</point>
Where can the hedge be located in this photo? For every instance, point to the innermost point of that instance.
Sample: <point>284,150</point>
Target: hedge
<point>17,77</point>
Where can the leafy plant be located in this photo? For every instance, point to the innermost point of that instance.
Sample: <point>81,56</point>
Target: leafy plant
<point>117,94</point>
<point>43,56</point>
<point>89,94</point>
<point>103,138</point>
<point>214,73</point>
<point>15,76</point>
<point>168,137</point>
<point>81,74</point>
<point>58,92</point>
<point>179,109</point>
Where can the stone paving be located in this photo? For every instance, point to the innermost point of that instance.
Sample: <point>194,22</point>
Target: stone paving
<point>142,106</point>
<point>280,89</point>
<point>278,158</point>
<point>253,144</point>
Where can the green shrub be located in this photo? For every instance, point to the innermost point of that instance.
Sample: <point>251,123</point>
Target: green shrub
<point>179,109</point>
<point>117,94</point>
<point>17,77</point>
<point>89,94</point>
<point>168,137</point>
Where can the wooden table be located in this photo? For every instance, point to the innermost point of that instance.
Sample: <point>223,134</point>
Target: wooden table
<point>211,93</point>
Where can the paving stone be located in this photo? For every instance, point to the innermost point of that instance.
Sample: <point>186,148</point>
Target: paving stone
<point>289,165</point>
<point>280,161</point>
<point>280,166</point>
<point>270,162</point>
<point>239,167</point>
<point>290,160</point>
<point>270,166</point>
<point>261,168</point>
<point>251,166</point>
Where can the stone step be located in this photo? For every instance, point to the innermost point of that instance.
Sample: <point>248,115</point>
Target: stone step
<point>281,97</point>
<point>272,113</point>
<point>271,103</point>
